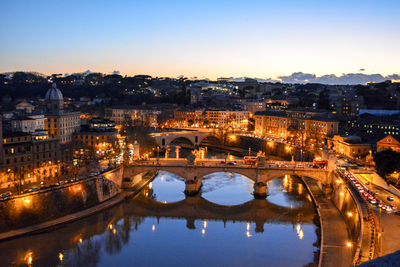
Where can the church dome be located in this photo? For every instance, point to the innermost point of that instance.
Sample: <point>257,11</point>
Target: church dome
<point>54,93</point>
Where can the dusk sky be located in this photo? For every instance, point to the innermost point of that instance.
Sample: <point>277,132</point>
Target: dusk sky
<point>201,38</point>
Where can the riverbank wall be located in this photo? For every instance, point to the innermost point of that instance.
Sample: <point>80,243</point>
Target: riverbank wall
<point>334,235</point>
<point>38,207</point>
<point>359,218</point>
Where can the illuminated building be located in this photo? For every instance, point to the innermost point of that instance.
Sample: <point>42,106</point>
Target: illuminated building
<point>17,155</point>
<point>255,106</point>
<point>183,116</point>
<point>28,124</point>
<point>350,146</point>
<point>60,124</point>
<point>375,124</point>
<point>29,157</point>
<point>227,118</point>
<point>94,138</point>
<point>278,124</point>
<point>389,142</point>
<point>135,116</point>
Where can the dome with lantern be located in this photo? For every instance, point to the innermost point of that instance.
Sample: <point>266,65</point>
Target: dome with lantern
<point>54,93</point>
<point>54,98</point>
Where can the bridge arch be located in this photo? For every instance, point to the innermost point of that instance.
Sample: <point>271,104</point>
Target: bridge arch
<point>182,139</point>
<point>212,139</point>
<point>164,139</point>
<point>256,174</point>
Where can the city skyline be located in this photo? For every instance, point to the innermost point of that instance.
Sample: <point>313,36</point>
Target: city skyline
<point>201,39</point>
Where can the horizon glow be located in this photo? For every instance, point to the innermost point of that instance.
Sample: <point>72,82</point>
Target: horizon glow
<point>204,39</point>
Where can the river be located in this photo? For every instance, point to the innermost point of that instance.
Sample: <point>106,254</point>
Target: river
<point>223,226</point>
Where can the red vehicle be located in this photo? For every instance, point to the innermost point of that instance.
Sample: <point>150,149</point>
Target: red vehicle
<point>319,163</point>
<point>250,160</point>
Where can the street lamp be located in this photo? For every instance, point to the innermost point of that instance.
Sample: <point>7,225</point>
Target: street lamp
<point>289,149</point>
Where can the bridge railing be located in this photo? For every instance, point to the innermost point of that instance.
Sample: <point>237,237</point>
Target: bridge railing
<point>288,165</point>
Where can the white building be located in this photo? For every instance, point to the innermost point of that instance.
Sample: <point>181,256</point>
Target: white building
<point>228,118</point>
<point>29,124</point>
<point>25,106</point>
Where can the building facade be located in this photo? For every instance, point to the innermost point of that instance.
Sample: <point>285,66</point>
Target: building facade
<point>60,124</point>
<point>29,158</point>
<point>254,107</point>
<point>28,124</point>
<point>350,146</point>
<point>283,125</point>
<point>388,142</point>
<point>227,118</point>
<point>131,115</point>
<point>183,117</point>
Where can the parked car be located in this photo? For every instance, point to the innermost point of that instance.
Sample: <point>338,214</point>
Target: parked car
<point>53,185</point>
<point>5,195</point>
<point>390,198</point>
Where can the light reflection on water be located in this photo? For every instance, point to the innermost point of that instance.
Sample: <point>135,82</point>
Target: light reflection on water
<point>123,236</point>
<point>278,187</point>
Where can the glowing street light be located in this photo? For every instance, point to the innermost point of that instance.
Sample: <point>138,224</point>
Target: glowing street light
<point>61,257</point>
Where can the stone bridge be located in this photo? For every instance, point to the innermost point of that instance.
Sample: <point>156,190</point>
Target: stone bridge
<point>259,211</point>
<point>195,137</point>
<point>193,174</point>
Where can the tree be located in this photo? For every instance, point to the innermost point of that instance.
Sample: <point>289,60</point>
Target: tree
<point>323,100</point>
<point>387,162</point>
<point>251,124</point>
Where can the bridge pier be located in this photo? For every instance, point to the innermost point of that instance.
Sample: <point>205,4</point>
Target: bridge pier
<point>259,227</point>
<point>192,186</point>
<point>260,190</point>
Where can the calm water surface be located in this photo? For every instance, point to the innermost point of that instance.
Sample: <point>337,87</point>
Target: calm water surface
<point>161,227</point>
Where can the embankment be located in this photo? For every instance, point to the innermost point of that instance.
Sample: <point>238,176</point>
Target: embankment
<point>38,207</point>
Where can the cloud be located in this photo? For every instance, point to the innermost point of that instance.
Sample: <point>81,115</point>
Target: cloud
<point>345,78</point>
<point>261,80</point>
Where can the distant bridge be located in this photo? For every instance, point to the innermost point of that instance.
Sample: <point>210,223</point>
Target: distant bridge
<point>195,137</point>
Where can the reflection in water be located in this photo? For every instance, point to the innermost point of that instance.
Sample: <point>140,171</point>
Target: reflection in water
<point>167,188</point>
<point>227,229</point>
<point>295,192</point>
<point>227,188</point>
